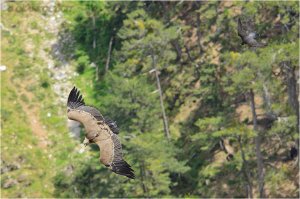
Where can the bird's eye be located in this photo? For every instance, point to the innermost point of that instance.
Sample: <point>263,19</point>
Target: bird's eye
<point>68,110</point>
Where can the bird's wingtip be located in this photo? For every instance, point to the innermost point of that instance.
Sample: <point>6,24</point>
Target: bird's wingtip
<point>75,99</point>
<point>123,168</point>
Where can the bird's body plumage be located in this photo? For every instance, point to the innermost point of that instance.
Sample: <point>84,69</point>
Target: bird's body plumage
<point>100,131</point>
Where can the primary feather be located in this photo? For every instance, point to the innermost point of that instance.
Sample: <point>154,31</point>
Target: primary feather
<point>101,131</point>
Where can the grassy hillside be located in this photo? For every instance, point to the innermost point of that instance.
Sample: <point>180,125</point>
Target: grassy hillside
<point>35,141</point>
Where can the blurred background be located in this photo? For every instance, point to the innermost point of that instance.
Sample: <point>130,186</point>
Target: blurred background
<point>200,115</point>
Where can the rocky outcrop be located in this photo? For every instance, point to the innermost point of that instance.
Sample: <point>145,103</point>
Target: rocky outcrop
<point>57,60</point>
<point>8,167</point>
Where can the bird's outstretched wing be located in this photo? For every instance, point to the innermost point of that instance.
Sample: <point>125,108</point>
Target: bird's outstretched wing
<point>241,30</point>
<point>99,130</point>
<point>112,156</point>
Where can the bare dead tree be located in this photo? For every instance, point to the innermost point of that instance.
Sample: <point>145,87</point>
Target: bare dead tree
<point>199,33</point>
<point>94,43</point>
<point>109,54</point>
<point>165,119</point>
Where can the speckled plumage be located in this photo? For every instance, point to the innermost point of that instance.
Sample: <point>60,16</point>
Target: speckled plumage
<point>247,33</point>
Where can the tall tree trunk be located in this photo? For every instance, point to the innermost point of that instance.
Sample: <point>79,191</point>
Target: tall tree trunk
<point>94,44</point>
<point>176,45</point>
<point>108,54</point>
<point>246,170</point>
<point>188,53</point>
<point>199,33</point>
<point>97,72</point>
<point>165,119</point>
<point>143,175</point>
<point>267,97</point>
<point>94,31</point>
<point>293,92</point>
<point>260,164</point>
<point>192,60</point>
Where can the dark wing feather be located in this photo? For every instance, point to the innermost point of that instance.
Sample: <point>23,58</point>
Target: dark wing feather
<point>112,125</point>
<point>75,99</point>
<point>119,165</point>
<point>123,168</point>
<point>241,31</point>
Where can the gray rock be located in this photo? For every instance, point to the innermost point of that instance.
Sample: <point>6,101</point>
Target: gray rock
<point>20,195</point>
<point>13,167</point>
<point>22,178</point>
<point>5,167</point>
<point>4,5</point>
<point>10,182</point>
<point>27,183</point>
<point>21,159</point>
<point>74,128</point>
<point>69,170</point>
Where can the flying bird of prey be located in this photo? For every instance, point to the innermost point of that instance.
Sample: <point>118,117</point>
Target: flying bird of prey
<point>101,131</point>
<point>247,33</point>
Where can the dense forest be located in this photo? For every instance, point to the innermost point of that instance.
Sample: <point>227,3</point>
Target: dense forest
<point>200,114</point>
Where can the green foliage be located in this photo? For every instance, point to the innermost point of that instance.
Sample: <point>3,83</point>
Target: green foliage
<point>82,63</point>
<point>224,70</point>
<point>145,39</point>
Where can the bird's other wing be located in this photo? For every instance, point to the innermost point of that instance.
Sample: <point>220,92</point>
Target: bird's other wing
<point>93,111</point>
<point>111,156</point>
<point>96,113</point>
<point>112,125</point>
<point>241,31</point>
<point>119,165</point>
<point>75,99</point>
